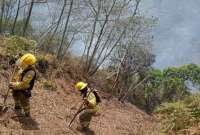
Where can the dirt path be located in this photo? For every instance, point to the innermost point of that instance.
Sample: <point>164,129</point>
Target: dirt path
<point>52,111</point>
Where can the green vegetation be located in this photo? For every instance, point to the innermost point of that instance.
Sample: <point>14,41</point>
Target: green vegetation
<point>179,110</point>
<point>49,85</point>
<point>153,86</point>
<point>15,45</point>
<point>43,63</point>
<point>169,85</point>
<point>7,27</point>
<point>180,115</point>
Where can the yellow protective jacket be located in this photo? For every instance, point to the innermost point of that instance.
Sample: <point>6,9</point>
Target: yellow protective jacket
<point>92,103</point>
<point>23,83</point>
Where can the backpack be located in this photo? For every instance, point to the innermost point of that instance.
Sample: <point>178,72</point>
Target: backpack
<point>27,92</point>
<point>98,99</point>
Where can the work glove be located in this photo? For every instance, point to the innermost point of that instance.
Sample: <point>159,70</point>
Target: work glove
<point>86,102</point>
<point>11,85</point>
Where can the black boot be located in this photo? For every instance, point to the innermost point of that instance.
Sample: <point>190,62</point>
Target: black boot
<point>27,114</point>
<point>18,108</point>
<point>82,129</point>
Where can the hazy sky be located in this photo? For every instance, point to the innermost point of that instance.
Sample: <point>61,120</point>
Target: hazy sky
<point>177,35</point>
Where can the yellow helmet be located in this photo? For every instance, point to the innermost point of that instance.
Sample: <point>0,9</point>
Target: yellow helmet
<point>26,60</point>
<point>81,85</point>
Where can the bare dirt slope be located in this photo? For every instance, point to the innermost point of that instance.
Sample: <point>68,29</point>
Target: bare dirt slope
<point>52,110</point>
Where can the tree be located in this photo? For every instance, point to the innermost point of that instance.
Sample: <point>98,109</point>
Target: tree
<point>16,17</point>
<point>65,30</point>
<point>28,18</point>
<point>106,30</point>
<point>136,60</point>
<point>2,14</point>
<point>132,58</point>
<point>169,85</point>
<point>58,23</point>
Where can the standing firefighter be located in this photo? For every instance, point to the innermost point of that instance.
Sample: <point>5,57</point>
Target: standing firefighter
<point>23,83</point>
<point>91,100</point>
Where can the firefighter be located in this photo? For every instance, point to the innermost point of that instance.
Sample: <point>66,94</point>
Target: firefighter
<point>91,100</point>
<point>23,83</point>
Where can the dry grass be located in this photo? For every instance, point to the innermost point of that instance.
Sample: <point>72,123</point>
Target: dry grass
<point>52,110</point>
<point>181,117</point>
<point>49,110</point>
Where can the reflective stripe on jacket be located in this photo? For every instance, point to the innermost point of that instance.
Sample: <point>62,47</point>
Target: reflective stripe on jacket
<point>92,104</point>
<point>23,81</point>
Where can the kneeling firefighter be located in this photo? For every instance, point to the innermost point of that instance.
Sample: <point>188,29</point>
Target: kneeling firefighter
<point>91,107</point>
<point>23,83</point>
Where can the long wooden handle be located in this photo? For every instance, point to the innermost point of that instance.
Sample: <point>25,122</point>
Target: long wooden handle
<point>79,110</point>
<point>8,90</point>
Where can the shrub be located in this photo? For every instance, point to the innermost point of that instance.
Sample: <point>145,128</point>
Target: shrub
<point>15,45</point>
<point>49,85</point>
<point>180,115</point>
<point>169,84</point>
<point>42,64</point>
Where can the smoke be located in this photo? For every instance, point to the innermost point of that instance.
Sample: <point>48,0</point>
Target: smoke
<point>176,37</point>
<point>191,87</point>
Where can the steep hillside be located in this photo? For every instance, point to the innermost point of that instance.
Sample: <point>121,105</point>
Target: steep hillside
<point>54,101</point>
<point>181,117</point>
<point>52,111</point>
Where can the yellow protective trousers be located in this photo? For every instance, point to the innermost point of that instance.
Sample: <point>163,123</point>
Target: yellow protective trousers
<point>21,101</point>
